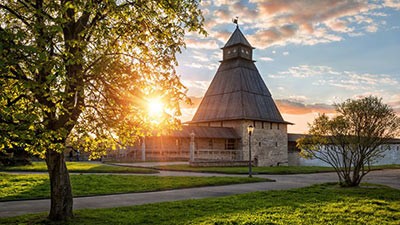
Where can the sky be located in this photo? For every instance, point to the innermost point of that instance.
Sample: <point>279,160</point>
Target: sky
<point>310,53</point>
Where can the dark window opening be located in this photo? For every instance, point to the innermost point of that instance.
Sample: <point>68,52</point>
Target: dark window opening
<point>210,144</point>
<point>230,144</point>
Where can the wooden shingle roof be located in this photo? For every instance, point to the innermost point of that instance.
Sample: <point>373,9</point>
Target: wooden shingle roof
<point>237,92</point>
<point>237,37</point>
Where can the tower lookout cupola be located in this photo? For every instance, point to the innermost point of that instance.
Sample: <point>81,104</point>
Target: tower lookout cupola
<point>237,47</point>
<point>237,91</point>
<point>237,98</point>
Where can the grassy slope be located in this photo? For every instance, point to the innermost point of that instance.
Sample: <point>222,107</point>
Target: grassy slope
<point>81,167</point>
<point>263,170</point>
<point>320,204</point>
<point>15,187</point>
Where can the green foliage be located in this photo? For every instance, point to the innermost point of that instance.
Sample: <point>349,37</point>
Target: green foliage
<point>81,71</point>
<point>319,204</point>
<point>18,186</point>
<point>81,167</point>
<point>14,157</point>
<point>352,139</point>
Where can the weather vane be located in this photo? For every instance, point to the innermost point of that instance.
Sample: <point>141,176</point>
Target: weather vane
<point>235,20</point>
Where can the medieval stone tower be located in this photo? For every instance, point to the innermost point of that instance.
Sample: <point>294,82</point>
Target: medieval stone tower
<point>238,97</point>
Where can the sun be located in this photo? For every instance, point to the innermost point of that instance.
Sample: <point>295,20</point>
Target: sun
<point>155,109</point>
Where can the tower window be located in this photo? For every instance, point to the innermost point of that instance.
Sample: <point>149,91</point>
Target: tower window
<point>230,144</point>
<point>210,144</point>
<point>270,126</point>
<point>277,126</point>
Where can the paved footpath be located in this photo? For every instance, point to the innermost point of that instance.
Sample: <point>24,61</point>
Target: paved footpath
<point>283,182</point>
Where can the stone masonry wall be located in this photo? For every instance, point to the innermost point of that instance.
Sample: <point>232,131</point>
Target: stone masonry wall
<point>269,144</point>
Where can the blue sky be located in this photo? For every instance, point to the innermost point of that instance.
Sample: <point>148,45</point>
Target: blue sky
<point>310,53</point>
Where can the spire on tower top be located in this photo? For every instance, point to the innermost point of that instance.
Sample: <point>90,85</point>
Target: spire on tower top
<point>236,21</point>
<point>237,37</point>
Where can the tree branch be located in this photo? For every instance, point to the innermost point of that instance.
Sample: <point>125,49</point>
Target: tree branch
<point>16,15</point>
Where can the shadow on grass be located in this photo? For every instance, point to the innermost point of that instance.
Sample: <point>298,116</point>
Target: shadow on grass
<point>319,204</point>
<point>82,167</point>
<point>18,186</point>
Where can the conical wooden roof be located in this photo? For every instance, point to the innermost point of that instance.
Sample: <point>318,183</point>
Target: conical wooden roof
<point>237,91</point>
<point>237,37</point>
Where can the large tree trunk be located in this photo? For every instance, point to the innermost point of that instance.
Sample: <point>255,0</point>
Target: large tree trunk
<point>61,192</point>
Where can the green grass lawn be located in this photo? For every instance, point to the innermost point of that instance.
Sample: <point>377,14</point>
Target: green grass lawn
<point>18,186</point>
<point>81,167</point>
<point>319,204</point>
<point>262,170</point>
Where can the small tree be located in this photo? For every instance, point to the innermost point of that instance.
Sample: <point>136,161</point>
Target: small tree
<point>353,139</point>
<point>79,72</point>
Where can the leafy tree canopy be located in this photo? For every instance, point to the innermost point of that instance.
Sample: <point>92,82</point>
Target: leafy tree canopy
<point>81,71</point>
<point>352,139</point>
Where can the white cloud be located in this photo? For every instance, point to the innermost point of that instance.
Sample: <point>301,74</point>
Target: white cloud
<point>297,98</point>
<point>212,66</point>
<point>281,22</point>
<point>372,28</point>
<point>196,88</point>
<point>201,44</point>
<point>392,4</point>
<point>339,26</point>
<point>348,80</point>
<point>267,59</point>
<point>196,84</point>
<point>303,71</point>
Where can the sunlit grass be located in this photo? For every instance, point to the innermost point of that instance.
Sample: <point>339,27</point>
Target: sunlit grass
<point>319,204</point>
<point>18,186</point>
<point>81,167</point>
<point>23,186</point>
